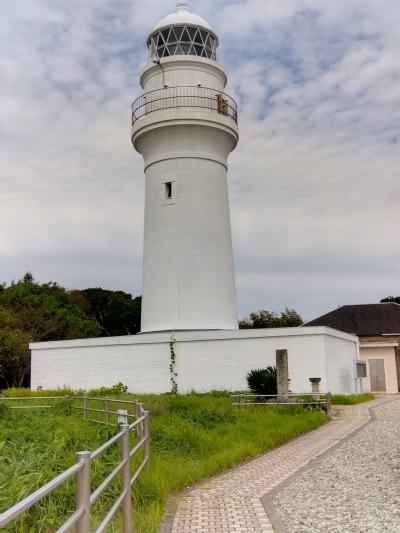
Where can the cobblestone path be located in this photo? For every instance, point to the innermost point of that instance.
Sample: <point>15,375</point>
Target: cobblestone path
<point>231,502</point>
<point>355,488</point>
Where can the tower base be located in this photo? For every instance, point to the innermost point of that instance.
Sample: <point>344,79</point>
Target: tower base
<point>204,360</point>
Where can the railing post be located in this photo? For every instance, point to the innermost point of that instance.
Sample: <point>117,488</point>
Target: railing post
<point>85,405</point>
<point>126,480</point>
<point>83,492</point>
<point>328,403</point>
<point>122,417</point>
<point>147,441</point>
<point>106,409</point>
<point>137,414</point>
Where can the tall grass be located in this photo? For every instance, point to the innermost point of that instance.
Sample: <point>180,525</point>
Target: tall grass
<point>192,437</point>
<point>351,399</point>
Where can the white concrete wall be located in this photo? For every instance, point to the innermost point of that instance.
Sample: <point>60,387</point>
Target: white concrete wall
<point>183,70</point>
<point>223,364</point>
<point>205,360</point>
<point>387,353</point>
<point>340,357</point>
<point>188,274</point>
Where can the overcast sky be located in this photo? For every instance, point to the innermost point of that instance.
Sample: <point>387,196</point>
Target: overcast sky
<point>314,182</point>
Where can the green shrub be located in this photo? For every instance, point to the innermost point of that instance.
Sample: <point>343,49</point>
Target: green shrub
<point>115,390</point>
<point>263,381</point>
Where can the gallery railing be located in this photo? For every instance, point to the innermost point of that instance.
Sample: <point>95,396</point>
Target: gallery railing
<point>80,519</point>
<point>184,96</point>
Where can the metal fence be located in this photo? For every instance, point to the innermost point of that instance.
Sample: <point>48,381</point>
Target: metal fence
<point>184,96</point>
<point>307,399</point>
<point>80,519</point>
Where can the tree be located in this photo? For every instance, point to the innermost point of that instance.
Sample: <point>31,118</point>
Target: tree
<point>115,312</point>
<point>394,299</point>
<point>34,312</point>
<point>267,319</point>
<point>46,311</point>
<point>31,312</point>
<point>14,357</point>
<point>14,352</point>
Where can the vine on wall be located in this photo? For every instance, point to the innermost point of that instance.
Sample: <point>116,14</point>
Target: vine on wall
<point>172,365</point>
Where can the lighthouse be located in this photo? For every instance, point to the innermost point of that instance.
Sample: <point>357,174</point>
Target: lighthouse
<point>185,126</point>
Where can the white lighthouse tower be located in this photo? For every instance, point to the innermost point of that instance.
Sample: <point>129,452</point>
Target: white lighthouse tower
<point>185,127</point>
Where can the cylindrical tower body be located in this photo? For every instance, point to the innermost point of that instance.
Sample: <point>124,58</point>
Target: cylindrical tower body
<point>185,127</point>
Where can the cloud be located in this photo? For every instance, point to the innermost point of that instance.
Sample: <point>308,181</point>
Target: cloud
<point>314,182</point>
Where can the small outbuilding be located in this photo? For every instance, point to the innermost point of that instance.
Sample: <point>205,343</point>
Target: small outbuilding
<point>378,329</point>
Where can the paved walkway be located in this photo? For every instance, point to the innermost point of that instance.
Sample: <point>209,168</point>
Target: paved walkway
<point>231,502</point>
<point>354,489</point>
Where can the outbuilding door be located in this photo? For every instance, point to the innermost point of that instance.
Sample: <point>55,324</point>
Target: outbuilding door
<point>377,375</point>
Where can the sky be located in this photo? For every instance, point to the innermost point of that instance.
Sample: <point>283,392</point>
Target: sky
<point>314,182</point>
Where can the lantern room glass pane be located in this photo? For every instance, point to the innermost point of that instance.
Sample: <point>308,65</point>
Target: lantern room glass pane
<point>172,37</point>
<point>192,33</point>
<point>185,48</point>
<point>182,40</point>
<point>185,36</point>
<point>165,33</point>
<point>178,32</point>
<point>197,38</point>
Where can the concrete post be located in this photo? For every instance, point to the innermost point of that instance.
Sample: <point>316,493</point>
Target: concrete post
<point>315,386</point>
<point>282,375</point>
<point>328,403</point>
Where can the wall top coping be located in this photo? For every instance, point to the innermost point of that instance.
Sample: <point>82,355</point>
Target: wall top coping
<point>384,344</point>
<point>191,336</point>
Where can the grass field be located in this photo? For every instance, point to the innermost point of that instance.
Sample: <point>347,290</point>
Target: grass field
<point>192,437</point>
<point>351,399</point>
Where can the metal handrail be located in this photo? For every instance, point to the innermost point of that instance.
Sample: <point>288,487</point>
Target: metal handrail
<point>81,469</point>
<point>318,398</point>
<point>184,96</point>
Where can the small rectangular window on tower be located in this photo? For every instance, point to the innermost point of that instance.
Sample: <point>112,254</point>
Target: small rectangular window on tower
<point>168,190</point>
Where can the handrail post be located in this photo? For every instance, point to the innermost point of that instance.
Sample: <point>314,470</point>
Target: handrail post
<point>137,414</point>
<point>122,417</point>
<point>85,405</point>
<point>126,480</point>
<point>146,448</point>
<point>106,409</point>
<point>83,492</point>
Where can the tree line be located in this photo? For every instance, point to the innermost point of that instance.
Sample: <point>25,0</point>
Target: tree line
<point>34,312</point>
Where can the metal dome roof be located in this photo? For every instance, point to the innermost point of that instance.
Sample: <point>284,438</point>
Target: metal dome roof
<point>182,15</point>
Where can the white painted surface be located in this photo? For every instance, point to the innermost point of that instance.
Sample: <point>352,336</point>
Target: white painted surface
<point>206,360</point>
<point>188,273</point>
<point>181,16</point>
<point>385,351</point>
<point>183,71</point>
<point>337,358</point>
